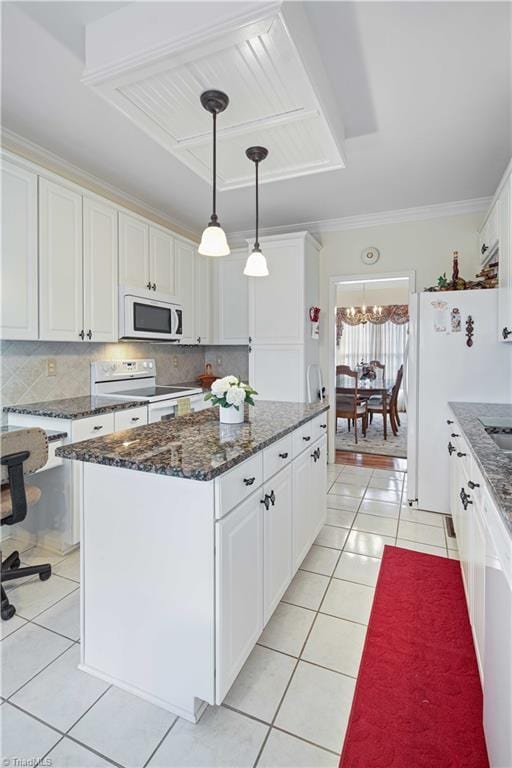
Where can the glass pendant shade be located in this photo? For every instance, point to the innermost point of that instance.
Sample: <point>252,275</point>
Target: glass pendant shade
<point>256,265</point>
<point>214,242</point>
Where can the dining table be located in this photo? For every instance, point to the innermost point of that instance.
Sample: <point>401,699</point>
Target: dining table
<point>367,388</point>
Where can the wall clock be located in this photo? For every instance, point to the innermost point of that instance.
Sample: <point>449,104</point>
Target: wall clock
<point>370,255</point>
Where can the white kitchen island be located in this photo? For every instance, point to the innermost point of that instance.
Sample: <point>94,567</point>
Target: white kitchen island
<point>191,532</point>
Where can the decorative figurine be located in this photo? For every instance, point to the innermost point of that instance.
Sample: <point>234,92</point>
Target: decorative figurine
<point>470,330</point>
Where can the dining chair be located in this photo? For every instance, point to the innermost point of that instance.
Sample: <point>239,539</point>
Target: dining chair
<point>376,404</point>
<point>382,367</point>
<point>347,405</point>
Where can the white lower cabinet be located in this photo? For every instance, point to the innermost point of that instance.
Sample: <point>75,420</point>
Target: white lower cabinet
<point>485,551</point>
<point>277,535</point>
<point>261,543</point>
<point>239,563</point>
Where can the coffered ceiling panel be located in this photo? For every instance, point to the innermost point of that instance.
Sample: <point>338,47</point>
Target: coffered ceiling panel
<point>273,102</point>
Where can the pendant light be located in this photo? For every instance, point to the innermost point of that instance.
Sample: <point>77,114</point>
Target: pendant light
<point>256,265</point>
<point>213,241</point>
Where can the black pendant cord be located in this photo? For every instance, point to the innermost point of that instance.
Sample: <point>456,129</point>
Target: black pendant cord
<point>256,244</point>
<point>214,201</point>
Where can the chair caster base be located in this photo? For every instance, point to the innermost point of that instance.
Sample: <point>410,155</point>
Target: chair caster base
<point>45,575</point>
<point>8,612</point>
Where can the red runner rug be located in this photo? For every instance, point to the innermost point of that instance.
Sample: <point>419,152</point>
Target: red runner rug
<point>418,698</point>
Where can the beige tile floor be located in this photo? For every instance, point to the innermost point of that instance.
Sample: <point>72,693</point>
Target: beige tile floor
<point>290,704</point>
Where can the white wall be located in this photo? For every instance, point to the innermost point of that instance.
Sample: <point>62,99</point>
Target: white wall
<point>423,246</point>
<point>372,293</point>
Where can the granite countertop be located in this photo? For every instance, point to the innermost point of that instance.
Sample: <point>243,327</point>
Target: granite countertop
<point>195,446</point>
<point>52,434</point>
<point>74,407</point>
<point>495,464</point>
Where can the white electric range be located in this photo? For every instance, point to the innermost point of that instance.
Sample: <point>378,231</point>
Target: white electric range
<point>136,380</point>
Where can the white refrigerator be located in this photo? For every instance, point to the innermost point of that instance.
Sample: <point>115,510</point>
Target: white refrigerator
<point>441,368</point>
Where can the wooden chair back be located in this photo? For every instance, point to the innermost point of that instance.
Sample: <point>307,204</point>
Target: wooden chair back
<point>346,401</point>
<point>393,401</point>
<point>382,367</point>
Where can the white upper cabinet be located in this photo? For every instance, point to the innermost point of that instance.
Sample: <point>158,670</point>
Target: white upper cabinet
<point>276,302</point>
<point>185,282</point>
<point>100,271</point>
<point>203,299</point>
<point>490,233</point>
<point>60,262</point>
<point>19,309</point>
<point>162,266</point>
<point>505,264</point>
<point>133,252</point>
<point>230,299</point>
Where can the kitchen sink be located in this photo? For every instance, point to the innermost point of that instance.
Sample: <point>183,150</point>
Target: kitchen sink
<point>503,440</point>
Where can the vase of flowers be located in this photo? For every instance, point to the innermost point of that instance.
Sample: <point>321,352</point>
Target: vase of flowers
<point>231,395</point>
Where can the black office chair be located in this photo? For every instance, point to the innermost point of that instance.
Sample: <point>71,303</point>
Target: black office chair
<point>22,452</point>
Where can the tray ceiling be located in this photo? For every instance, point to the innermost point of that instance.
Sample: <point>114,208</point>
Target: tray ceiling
<point>273,102</point>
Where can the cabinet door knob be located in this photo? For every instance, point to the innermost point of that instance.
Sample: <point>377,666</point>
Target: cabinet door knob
<point>249,480</point>
<point>451,448</point>
<point>98,427</point>
<point>306,438</point>
<point>454,434</point>
<point>148,285</point>
<point>135,418</point>
<point>265,501</point>
<point>82,335</point>
<point>484,248</point>
<point>506,333</point>
<point>323,426</point>
<point>272,497</point>
<point>461,455</point>
<point>283,455</point>
<point>154,286</point>
<point>473,485</point>
<point>198,339</point>
<point>449,421</point>
<point>89,334</point>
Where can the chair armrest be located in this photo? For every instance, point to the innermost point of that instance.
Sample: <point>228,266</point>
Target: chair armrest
<point>14,464</point>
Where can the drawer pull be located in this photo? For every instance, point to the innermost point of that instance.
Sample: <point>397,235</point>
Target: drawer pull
<point>449,421</point>
<point>460,454</point>
<point>454,434</point>
<point>307,438</point>
<point>323,426</point>
<point>451,448</point>
<point>473,485</point>
<point>506,333</point>
<point>249,480</point>
<point>135,418</point>
<point>98,427</point>
<point>464,497</point>
<point>265,501</point>
<point>283,455</point>
<point>272,497</point>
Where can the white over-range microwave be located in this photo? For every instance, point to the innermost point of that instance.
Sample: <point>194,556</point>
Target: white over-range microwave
<point>148,317</point>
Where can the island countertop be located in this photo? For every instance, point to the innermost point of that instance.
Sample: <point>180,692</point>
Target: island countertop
<point>495,465</point>
<point>195,446</point>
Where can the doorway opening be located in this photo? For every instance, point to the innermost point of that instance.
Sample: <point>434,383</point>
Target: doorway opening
<point>369,352</point>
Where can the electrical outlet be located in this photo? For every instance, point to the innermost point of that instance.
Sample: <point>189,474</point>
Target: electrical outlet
<point>175,361</point>
<point>51,366</point>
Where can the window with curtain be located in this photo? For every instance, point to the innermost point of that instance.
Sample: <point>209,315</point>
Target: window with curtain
<point>385,342</point>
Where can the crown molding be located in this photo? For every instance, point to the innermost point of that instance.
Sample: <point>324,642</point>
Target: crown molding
<point>159,51</point>
<point>361,221</point>
<point>35,153</point>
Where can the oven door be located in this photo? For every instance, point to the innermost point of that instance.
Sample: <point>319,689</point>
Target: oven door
<point>156,411</point>
<point>145,318</point>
